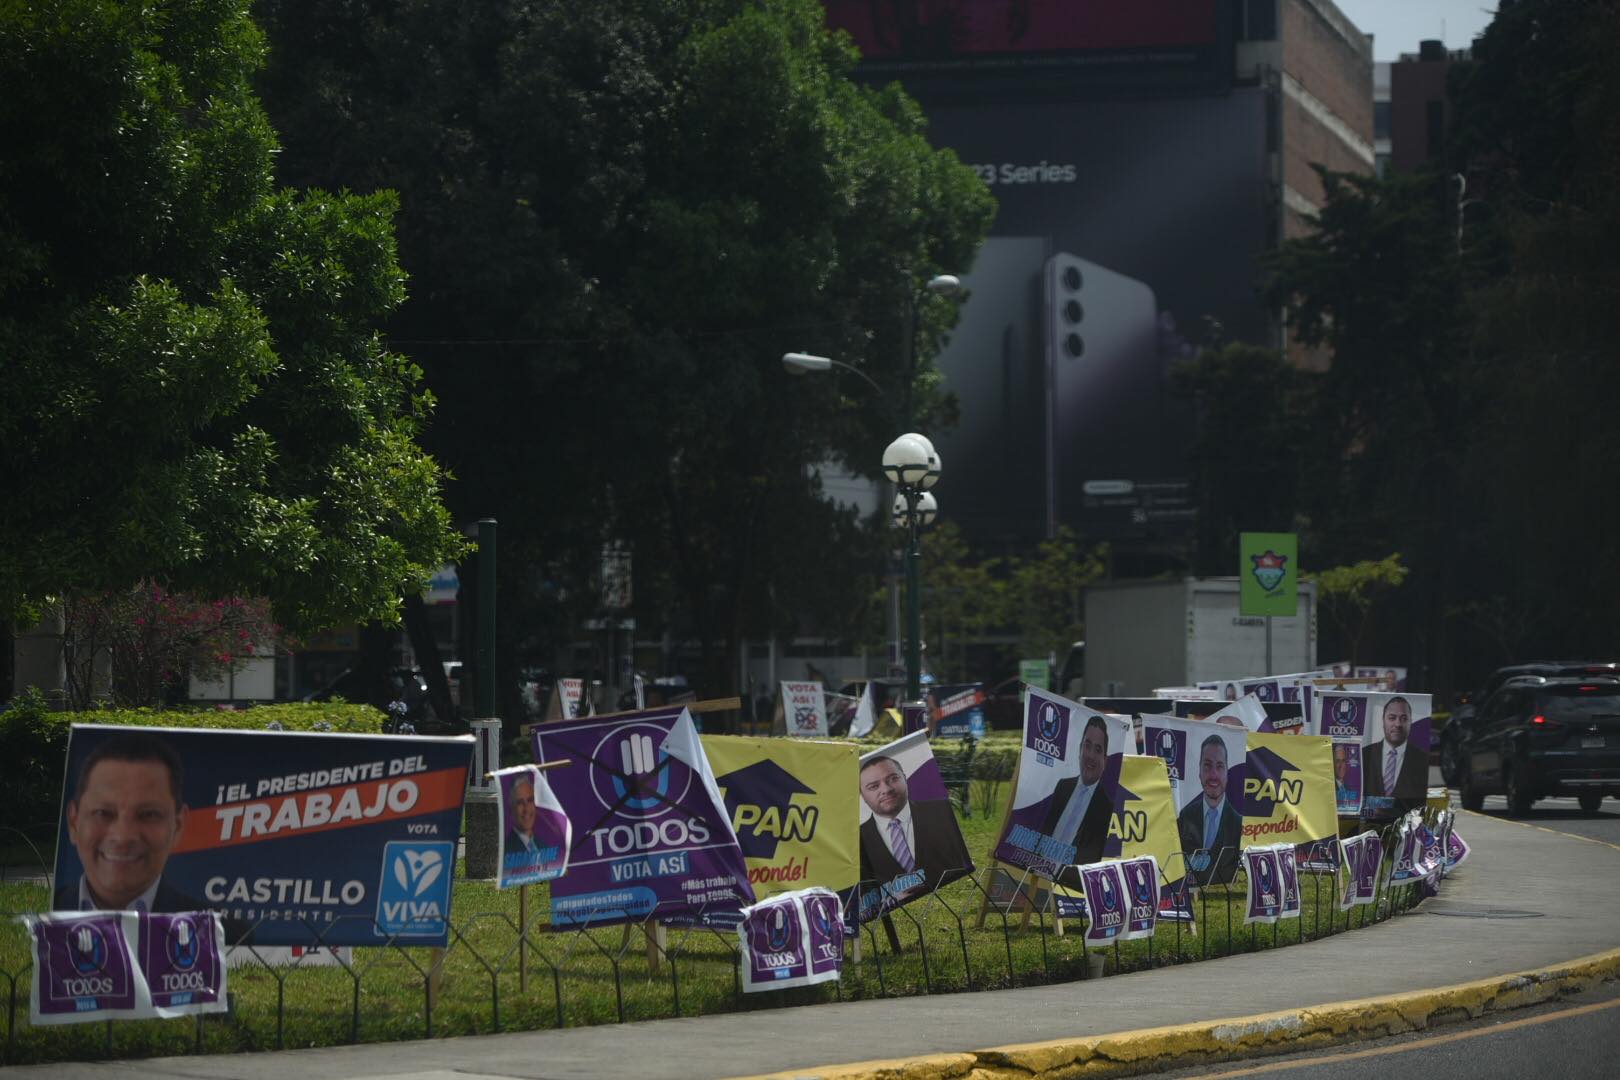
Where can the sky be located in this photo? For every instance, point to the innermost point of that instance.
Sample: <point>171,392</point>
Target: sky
<point>1398,25</point>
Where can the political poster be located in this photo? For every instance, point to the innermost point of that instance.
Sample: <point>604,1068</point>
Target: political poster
<point>1247,712</point>
<point>791,806</point>
<point>1205,761</point>
<point>535,833</point>
<point>1342,717</point>
<point>1363,856</point>
<point>1408,850</point>
<point>294,838</point>
<point>1068,772</point>
<point>125,965</point>
<point>650,834</point>
<point>791,939</point>
<point>1263,896</point>
<point>1262,690</point>
<point>1105,903</point>
<point>956,711</point>
<point>1288,873</point>
<point>1142,896</point>
<point>567,696</point>
<point>1288,797</point>
<point>804,710</point>
<point>1144,826</point>
<point>1394,752</point>
<point>910,841</point>
<point>1457,850</point>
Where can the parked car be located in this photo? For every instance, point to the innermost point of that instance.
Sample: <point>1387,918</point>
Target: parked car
<point>1538,736</point>
<point>1463,712</point>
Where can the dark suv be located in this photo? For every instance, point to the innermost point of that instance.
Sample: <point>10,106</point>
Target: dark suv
<point>1463,713</point>
<point>1538,736</point>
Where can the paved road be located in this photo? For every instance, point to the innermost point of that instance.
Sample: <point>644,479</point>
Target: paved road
<point>1562,814</point>
<point>1577,1038</point>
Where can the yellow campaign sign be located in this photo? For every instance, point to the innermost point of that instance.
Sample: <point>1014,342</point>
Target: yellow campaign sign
<point>795,806</point>
<point>1145,821</point>
<point>1288,790</point>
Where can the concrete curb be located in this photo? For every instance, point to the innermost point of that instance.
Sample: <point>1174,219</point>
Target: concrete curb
<point>1154,1049</point>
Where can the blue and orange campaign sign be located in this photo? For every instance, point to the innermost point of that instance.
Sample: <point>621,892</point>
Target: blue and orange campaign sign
<point>291,837</point>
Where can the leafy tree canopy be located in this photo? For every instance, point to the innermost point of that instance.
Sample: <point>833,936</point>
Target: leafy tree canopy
<point>192,389</point>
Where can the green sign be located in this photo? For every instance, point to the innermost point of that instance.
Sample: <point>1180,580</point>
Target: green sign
<point>1037,673</point>
<point>1268,573</point>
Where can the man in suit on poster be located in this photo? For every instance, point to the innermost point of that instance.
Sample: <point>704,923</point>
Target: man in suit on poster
<point>904,836</point>
<point>1080,809</point>
<point>1394,766</point>
<point>1210,826</point>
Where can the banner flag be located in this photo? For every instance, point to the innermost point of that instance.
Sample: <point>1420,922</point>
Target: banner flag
<point>956,711</point>
<point>1067,791</point>
<point>1206,763</point>
<point>1145,826</point>
<point>791,939</point>
<point>286,834</point>
<point>804,709</point>
<point>125,965</point>
<point>1288,797</point>
<point>792,806</point>
<point>1263,900</point>
<point>911,843</point>
<point>535,834</point>
<point>865,716</point>
<point>1268,573</point>
<point>652,830</point>
<point>1142,895</point>
<point>1105,903</point>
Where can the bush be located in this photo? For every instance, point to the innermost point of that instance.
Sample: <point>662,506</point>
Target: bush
<point>34,737</point>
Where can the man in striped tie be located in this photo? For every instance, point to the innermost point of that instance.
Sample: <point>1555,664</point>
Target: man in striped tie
<point>906,837</point>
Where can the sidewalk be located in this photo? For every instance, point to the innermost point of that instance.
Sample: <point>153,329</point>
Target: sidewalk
<point>1461,936</point>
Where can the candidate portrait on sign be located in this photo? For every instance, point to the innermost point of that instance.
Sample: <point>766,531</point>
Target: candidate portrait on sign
<point>1210,826</point>
<point>1393,766</point>
<point>905,835</point>
<point>124,815</point>
<point>1080,806</point>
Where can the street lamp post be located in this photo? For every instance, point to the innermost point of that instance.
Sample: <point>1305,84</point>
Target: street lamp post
<point>912,464</point>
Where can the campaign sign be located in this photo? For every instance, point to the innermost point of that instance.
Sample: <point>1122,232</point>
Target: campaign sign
<point>535,834</point>
<point>1394,752</point>
<point>1408,850</point>
<point>1288,871</point>
<point>182,957</point>
<point>773,938</point>
<point>957,711</point>
<point>1207,788</point>
<point>911,843</point>
<point>789,804</point>
<point>1067,792</point>
<point>1145,826</point>
<point>294,838</point>
<point>84,968</point>
<point>1263,900</point>
<point>804,710</point>
<point>1141,876</point>
<point>1457,849</point>
<point>1364,855</point>
<point>1105,903</point>
<point>1288,796</point>
<point>1342,717</point>
<point>650,829</point>
<point>824,924</point>
<point>1262,689</point>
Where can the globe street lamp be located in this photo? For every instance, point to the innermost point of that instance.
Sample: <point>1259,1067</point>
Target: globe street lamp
<point>913,466</point>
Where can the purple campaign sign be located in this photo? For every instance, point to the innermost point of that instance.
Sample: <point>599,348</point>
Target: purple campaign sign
<point>651,833</point>
<point>824,919</point>
<point>773,940</point>
<point>1264,689</point>
<point>1289,873</point>
<point>1456,849</point>
<point>84,968</point>
<point>183,958</point>
<point>1363,855</point>
<point>1407,853</point>
<point>1105,902</point>
<point>1264,898</point>
<point>535,834</point>
<point>1142,893</point>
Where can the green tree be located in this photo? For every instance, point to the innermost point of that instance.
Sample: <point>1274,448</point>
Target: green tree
<point>1349,594</point>
<point>1044,603</point>
<point>617,218</point>
<point>192,388</point>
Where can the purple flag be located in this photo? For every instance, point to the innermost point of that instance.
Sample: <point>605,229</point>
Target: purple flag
<point>1264,897</point>
<point>1105,902</point>
<point>535,833</point>
<point>1408,850</point>
<point>182,957</point>
<point>1456,849</point>
<point>791,939</point>
<point>1142,892</point>
<point>1288,871</point>
<point>824,920</point>
<point>651,830</point>
<point>126,965</point>
<point>1363,855</point>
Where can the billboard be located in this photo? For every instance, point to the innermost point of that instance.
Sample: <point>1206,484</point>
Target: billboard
<point>1125,231</point>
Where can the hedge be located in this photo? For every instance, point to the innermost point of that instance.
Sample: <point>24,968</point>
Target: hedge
<point>33,740</point>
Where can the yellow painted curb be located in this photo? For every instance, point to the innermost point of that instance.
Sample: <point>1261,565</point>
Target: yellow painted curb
<point>1153,1049</point>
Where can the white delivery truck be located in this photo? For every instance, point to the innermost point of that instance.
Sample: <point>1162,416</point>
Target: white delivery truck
<point>1141,635</point>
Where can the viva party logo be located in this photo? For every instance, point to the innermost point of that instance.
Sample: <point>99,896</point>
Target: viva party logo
<point>1269,569</point>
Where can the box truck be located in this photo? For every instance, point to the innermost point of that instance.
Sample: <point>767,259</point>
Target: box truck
<point>1141,635</point>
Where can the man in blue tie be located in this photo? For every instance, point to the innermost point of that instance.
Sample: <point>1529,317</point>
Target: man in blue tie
<point>906,837</point>
<point>1211,828</point>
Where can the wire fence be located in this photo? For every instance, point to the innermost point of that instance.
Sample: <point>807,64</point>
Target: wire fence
<point>506,970</point>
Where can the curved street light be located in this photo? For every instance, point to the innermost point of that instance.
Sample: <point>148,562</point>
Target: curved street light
<point>798,363</point>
